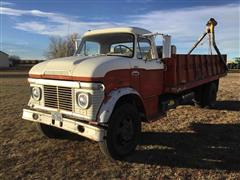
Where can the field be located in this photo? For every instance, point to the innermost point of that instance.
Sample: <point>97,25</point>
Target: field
<point>190,143</point>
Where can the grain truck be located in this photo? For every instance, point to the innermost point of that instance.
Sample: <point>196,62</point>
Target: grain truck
<point>118,78</point>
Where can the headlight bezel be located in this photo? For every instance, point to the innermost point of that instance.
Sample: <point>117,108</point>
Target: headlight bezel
<point>87,98</point>
<point>36,93</point>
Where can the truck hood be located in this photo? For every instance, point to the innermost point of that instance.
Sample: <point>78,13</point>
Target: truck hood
<point>80,66</point>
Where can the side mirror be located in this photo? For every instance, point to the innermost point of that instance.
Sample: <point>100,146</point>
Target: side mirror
<point>166,53</point>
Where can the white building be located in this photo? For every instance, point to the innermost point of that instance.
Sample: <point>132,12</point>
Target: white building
<point>4,61</point>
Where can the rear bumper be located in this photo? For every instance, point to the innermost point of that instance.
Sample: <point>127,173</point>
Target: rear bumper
<point>85,130</point>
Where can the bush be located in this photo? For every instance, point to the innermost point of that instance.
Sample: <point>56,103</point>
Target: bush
<point>14,60</point>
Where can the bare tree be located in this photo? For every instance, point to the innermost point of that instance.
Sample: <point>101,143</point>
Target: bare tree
<point>61,47</point>
<point>71,43</point>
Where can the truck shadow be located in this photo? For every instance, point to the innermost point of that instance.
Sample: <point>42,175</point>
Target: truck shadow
<point>207,146</point>
<point>13,75</point>
<point>227,105</point>
<point>71,137</point>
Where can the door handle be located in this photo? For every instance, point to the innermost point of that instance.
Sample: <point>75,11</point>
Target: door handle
<point>135,73</point>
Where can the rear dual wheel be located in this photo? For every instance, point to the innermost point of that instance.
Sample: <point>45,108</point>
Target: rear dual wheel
<point>206,95</point>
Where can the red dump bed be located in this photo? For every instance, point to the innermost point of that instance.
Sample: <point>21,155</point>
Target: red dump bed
<point>188,71</point>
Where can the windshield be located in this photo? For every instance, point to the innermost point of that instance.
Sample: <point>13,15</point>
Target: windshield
<point>116,44</point>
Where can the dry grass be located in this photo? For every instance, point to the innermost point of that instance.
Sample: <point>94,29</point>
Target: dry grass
<point>190,143</point>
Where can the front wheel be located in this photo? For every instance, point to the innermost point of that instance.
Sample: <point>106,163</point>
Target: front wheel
<point>123,132</point>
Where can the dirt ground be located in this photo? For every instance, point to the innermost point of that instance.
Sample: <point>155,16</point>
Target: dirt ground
<point>190,143</point>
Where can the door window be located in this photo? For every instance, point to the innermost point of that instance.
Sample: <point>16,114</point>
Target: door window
<point>144,50</point>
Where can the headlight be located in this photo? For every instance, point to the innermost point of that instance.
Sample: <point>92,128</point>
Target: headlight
<point>83,100</point>
<point>36,93</point>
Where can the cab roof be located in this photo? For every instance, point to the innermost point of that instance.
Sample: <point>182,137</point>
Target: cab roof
<point>133,30</point>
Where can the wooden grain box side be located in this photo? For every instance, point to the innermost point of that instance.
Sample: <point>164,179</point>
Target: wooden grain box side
<point>188,71</point>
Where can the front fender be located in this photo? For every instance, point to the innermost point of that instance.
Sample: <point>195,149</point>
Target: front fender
<point>112,98</point>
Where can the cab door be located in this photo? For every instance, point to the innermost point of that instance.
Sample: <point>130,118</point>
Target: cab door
<point>135,76</point>
<point>147,76</point>
<point>146,71</point>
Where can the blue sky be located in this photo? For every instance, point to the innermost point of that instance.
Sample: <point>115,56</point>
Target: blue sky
<point>27,25</point>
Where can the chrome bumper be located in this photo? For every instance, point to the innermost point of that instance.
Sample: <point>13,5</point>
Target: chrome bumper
<point>86,130</point>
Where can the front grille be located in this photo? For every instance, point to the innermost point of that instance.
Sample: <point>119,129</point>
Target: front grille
<point>58,97</point>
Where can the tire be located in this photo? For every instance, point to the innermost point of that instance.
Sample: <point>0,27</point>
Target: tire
<point>210,95</point>
<point>205,96</point>
<point>123,132</point>
<point>50,131</point>
<point>198,99</point>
